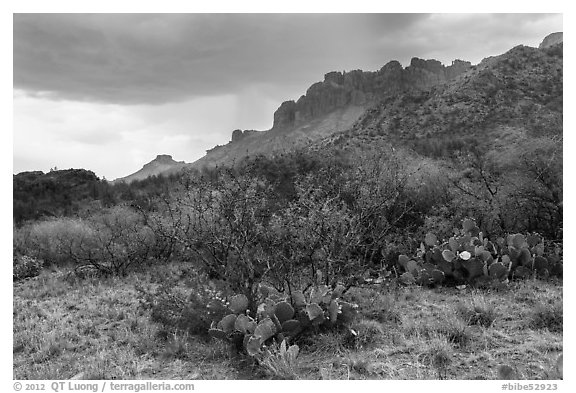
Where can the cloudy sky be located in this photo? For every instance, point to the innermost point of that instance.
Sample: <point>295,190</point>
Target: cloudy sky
<point>108,92</point>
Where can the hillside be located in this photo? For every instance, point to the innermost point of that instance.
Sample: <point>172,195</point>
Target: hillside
<point>332,106</point>
<point>60,192</point>
<point>162,164</point>
<point>503,99</point>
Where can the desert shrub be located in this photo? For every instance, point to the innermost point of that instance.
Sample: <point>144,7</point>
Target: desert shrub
<point>547,316</point>
<point>220,224</point>
<point>191,308</point>
<point>477,312</point>
<point>375,305</point>
<point>112,240</point>
<point>454,330</point>
<point>25,267</point>
<point>279,361</point>
<point>365,333</point>
<point>120,241</point>
<point>437,353</point>
<point>54,241</point>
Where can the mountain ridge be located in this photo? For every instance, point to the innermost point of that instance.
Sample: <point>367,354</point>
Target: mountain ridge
<point>343,101</point>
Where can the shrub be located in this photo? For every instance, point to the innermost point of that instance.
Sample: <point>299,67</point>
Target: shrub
<point>120,241</point>
<point>279,361</point>
<point>547,316</point>
<point>112,240</point>
<point>438,354</point>
<point>365,334</point>
<point>190,309</point>
<point>25,267</point>
<point>55,241</point>
<point>477,312</point>
<point>220,224</point>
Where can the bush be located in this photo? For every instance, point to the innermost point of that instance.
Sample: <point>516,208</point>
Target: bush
<point>120,241</point>
<point>547,317</point>
<point>189,309</point>
<point>477,312</point>
<point>112,241</point>
<point>55,241</point>
<point>25,267</point>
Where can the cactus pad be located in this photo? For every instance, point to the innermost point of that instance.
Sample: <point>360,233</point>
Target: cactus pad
<point>468,225</point>
<point>265,329</point>
<point>227,323</point>
<point>403,260</point>
<point>533,240</point>
<point>524,258</point>
<point>448,255</point>
<point>244,324</point>
<point>474,267</point>
<point>522,272</point>
<point>412,267</point>
<point>253,345</point>
<point>291,326</point>
<point>498,271</point>
<point>283,311</point>
<point>338,291</point>
<point>453,243</point>
<point>518,240</point>
<point>333,310</point>
<point>437,276</point>
<point>318,293</point>
<point>298,299</point>
<point>314,311</point>
<point>238,304</point>
<point>407,279</point>
<point>430,239</point>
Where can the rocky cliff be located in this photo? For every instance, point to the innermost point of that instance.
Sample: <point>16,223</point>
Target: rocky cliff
<point>359,88</point>
<point>332,106</point>
<point>516,95</point>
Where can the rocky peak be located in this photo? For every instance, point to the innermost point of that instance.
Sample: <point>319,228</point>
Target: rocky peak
<point>424,74</point>
<point>164,159</point>
<point>551,40</point>
<point>360,88</point>
<point>238,135</point>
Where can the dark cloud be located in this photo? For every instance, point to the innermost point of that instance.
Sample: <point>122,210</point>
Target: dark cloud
<point>158,58</point>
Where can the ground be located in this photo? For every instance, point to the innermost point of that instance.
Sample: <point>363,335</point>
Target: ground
<point>95,328</point>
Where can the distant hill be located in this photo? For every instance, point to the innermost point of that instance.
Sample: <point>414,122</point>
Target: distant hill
<point>162,164</point>
<point>60,192</point>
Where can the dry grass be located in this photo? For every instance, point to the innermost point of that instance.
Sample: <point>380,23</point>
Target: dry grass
<point>64,327</point>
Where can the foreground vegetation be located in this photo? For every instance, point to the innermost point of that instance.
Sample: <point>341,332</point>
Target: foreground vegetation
<point>341,264</point>
<point>102,328</point>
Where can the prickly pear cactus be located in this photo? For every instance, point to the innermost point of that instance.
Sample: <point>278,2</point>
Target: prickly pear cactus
<point>238,304</point>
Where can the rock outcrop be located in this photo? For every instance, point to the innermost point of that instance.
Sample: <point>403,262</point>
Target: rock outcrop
<point>358,88</point>
<point>162,164</point>
<point>238,135</point>
<point>551,40</point>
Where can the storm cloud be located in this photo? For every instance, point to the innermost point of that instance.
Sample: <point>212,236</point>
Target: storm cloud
<point>157,58</point>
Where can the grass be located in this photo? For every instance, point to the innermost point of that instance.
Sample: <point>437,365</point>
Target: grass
<point>94,328</point>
